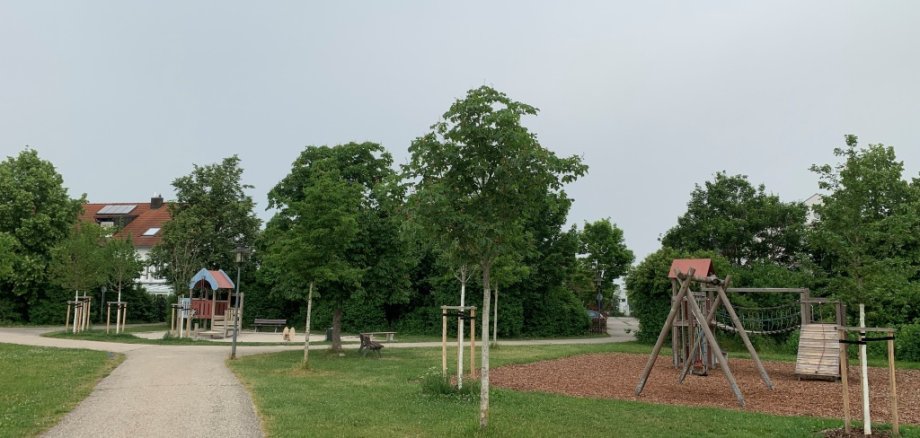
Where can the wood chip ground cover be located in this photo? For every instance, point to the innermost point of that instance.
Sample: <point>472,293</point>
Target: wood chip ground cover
<point>615,375</point>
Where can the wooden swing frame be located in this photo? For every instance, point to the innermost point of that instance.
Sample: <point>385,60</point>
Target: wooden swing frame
<point>685,295</point>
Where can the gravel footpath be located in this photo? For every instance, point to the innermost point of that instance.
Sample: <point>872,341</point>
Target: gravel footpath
<point>165,392</point>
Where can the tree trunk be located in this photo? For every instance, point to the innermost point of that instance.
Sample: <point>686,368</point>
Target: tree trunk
<point>484,373</point>
<point>337,329</point>
<point>306,331</point>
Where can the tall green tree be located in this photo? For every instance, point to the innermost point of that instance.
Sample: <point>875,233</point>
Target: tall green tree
<point>310,239</point>
<point>606,256</point>
<point>79,262</point>
<point>867,235</point>
<point>740,222</point>
<point>375,262</point>
<point>211,216</point>
<point>36,214</point>
<point>480,173</point>
<point>122,264</point>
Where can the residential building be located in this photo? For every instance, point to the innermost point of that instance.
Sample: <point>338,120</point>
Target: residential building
<point>811,202</point>
<point>143,224</point>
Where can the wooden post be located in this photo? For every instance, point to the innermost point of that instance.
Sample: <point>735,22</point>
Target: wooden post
<point>744,337</point>
<point>67,320</point>
<point>675,348</point>
<point>76,317</point>
<point>473,342</point>
<point>714,345</point>
<point>805,307</point>
<point>213,308</point>
<point>108,316</point>
<point>668,325</point>
<point>443,341</point>
<point>459,352</point>
<point>696,346</point>
<point>864,374</point>
<point>495,319</point>
<point>172,319</point>
<point>844,371</point>
<point>188,324</point>
<point>895,426</point>
<point>306,331</point>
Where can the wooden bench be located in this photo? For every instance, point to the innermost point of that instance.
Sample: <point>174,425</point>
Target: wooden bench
<point>261,322</point>
<point>369,345</point>
<point>391,336</point>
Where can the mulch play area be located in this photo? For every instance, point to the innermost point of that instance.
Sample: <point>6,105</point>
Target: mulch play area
<point>615,375</point>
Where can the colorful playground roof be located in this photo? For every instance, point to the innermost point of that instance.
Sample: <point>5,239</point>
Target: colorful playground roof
<point>214,279</point>
<point>703,268</point>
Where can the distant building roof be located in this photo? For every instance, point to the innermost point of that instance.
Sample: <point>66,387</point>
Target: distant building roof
<point>141,221</point>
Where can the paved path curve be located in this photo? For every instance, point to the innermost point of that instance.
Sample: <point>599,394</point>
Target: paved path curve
<point>177,391</point>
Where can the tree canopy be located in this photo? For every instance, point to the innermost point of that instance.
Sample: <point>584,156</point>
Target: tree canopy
<point>867,235</point>
<point>79,262</point>
<point>36,213</point>
<point>211,216</point>
<point>606,256</point>
<point>742,223</point>
<point>351,186</point>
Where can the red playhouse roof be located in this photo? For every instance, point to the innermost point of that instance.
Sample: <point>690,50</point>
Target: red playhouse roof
<point>214,279</point>
<point>703,268</point>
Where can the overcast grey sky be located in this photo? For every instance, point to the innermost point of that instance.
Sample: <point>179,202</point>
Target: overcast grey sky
<point>124,96</point>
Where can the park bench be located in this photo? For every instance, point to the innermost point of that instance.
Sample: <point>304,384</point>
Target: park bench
<point>262,322</point>
<point>391,336</point>
<point>368,345</point>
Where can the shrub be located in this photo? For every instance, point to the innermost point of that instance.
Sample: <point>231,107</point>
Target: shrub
<point>907,342</point>
<point>436,384</point>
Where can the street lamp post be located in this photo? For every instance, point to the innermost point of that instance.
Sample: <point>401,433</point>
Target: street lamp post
<point>241,252</point>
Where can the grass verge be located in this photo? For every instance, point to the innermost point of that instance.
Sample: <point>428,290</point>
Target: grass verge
<point>39,385</point>
<point>357,396</point>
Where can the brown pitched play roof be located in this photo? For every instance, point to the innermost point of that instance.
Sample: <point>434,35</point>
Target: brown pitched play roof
<point>142,223</point>
<point>703,268</point>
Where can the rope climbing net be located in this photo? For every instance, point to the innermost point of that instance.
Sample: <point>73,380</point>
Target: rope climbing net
<point>762,320</point>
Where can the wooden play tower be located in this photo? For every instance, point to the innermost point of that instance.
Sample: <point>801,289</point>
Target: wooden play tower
<point>213,302</point>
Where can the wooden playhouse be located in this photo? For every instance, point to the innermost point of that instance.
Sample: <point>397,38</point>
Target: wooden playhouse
<point>214,302</point>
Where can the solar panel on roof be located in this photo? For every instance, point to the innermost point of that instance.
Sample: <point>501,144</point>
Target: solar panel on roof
<point>116,209</point>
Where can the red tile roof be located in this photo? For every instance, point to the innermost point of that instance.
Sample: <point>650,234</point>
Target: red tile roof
<point>703,268</point>
<point>142,218</point>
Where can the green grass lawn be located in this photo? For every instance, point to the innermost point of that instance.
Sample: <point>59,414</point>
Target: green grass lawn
<point>39,385</point>
<point>356,396</point>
